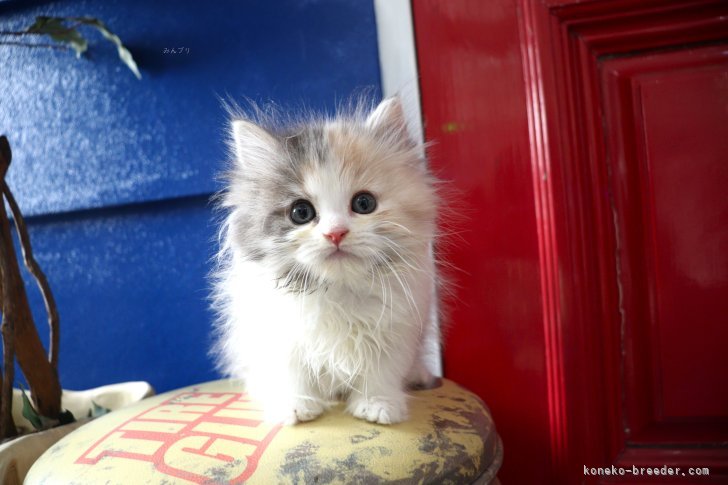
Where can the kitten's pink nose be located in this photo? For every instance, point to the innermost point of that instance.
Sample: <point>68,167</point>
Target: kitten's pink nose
<point>336,236</point>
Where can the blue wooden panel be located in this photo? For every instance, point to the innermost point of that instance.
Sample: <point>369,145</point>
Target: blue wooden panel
<point>114,172</point>
<point>86,133</point>
<point>131,287</point>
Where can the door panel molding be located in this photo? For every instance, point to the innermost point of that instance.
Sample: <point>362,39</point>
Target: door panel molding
<point>588,285</point>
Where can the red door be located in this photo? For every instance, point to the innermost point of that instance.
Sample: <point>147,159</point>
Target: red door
<point>588,141</point>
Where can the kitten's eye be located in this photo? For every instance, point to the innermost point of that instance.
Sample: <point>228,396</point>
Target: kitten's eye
<point>302,211</point>
<point>363,203</point>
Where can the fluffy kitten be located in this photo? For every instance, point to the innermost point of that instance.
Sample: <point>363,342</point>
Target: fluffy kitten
<point>326,279</point>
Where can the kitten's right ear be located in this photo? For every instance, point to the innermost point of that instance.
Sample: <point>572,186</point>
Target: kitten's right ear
<point>388,120</point>
<point>388,117</point>
<point>252,144</point>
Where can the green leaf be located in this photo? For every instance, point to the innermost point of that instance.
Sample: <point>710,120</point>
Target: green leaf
<point>55,28</point>
<point>123,52</point>
<point>44,25</point>
<point>47,423</point>
<point>97,410</point>
<point>29,411</point>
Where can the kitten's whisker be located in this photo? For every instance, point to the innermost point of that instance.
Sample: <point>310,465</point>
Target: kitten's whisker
<point>385,296</point>
<point>432,276</point>
<point>395,273</point>
<point>408,295</point>
<point>375,267</point>
<point>441,233</point>
<point>377,259</point>
<point>391,295</point>
<point>398,225</point>
<point>391,245</point>
<point>400,247</point>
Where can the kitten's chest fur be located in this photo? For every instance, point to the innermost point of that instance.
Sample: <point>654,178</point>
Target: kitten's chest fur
<point>346,330</point>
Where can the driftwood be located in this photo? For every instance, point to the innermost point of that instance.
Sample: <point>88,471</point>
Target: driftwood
<point>20,337</point>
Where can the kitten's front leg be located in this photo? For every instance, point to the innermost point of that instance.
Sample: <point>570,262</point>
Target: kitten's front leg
<point>304,408</point>
<point>379,400</point>
<point>287,397</point>
<point>292,409</point>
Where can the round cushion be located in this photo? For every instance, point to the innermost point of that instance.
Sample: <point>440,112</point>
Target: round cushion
<point>213,433</point>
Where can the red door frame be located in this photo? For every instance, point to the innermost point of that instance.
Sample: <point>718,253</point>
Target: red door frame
<point>570,51</point>
<point>511,96</point>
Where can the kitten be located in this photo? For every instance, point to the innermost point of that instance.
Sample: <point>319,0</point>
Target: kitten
<point>326,278</point>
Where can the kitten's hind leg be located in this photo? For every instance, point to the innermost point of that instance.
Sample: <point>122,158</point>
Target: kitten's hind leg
<point>379,401</point>
<point>420,377</point>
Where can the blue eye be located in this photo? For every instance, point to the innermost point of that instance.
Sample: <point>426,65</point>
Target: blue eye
<point>302,211</point>
<point>363,203</point>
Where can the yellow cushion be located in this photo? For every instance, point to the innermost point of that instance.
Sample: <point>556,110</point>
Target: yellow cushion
<point>212,433</point>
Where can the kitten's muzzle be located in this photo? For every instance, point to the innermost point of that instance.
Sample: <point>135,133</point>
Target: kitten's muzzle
<point>336,236</point>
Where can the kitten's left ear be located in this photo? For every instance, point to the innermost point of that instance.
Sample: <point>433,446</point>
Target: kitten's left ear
<point>388,119</point>
<point>252,144</point>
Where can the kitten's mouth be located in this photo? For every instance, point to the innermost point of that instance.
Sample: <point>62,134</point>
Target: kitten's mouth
<point>339,254</point>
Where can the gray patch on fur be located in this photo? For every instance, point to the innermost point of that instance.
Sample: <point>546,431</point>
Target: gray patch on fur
<point>294,281</point>
<point>261,200</point>
<point>307,145</point>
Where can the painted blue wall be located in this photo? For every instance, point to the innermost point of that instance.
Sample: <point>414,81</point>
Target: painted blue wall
<point>114,174</point>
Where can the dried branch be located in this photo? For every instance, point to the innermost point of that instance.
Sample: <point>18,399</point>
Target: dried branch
<point>30,44</point>
<point>42,377</point>
<point>7,426</point>
<point>23,33</point>
<point>17,34</point>
<point>40,277</point>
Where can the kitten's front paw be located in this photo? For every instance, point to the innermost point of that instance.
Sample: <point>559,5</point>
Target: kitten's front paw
<point>379,409</point>
<point>307,409</point>
<point>296,411</point>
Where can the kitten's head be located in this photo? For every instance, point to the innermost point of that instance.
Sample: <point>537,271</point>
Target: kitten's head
<point>332,201</point>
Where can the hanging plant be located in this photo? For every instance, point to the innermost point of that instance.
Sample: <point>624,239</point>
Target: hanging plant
<point>20,339</point>
<point>64,32</point>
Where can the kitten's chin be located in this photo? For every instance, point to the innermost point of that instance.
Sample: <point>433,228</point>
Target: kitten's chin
<point>340,266</point>
<point>341,255</point>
